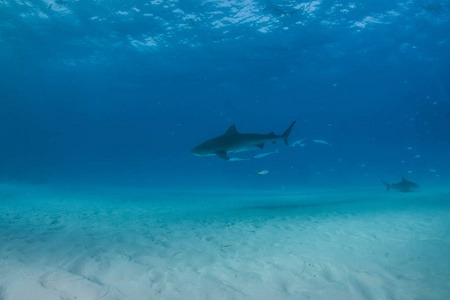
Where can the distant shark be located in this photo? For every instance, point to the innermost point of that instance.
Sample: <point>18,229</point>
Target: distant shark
<point>233,141</point>
<point>404,186</point>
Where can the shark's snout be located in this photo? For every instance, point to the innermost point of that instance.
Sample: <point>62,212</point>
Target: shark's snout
<point>196,151</point>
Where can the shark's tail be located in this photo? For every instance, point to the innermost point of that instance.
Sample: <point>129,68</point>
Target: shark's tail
<point>287,133</point>
<point>388,186</point>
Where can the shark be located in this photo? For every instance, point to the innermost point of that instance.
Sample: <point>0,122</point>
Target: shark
<point>233,141</point>
<point>404,186</point>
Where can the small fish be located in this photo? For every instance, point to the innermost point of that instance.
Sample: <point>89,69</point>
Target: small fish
<point>238,159</point>
<point>263,172</point>
<point>299,142</point>
<point>322,142</point>
<point>266,154</point>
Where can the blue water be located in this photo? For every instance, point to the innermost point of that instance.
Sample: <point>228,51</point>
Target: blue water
<point>118,93</point>
<point>108,94</point>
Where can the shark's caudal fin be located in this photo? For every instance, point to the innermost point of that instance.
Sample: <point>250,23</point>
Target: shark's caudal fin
<point>287,133</point>
<point>388,186</point>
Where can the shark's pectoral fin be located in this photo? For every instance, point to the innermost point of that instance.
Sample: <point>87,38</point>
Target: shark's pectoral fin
<point>222,155</point>
<point>260,145</point>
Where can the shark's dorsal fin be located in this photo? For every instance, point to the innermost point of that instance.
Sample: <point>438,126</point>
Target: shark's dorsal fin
<point>403,179</point>
<point>232,130</point>
<point>222,155</point>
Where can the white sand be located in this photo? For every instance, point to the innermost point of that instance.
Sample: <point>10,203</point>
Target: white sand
<point>142,245</point>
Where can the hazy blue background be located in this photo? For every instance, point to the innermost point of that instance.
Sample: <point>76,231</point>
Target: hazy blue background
<point>118,92</point>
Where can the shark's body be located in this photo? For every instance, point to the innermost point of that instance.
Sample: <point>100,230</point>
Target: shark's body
<point>233,141</point>
<point>404,186</point>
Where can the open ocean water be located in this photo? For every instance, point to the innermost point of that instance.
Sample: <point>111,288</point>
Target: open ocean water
<point>216,149</point>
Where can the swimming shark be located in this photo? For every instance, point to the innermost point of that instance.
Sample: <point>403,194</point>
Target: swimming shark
<point>404,186</point>
<point>233,141</point>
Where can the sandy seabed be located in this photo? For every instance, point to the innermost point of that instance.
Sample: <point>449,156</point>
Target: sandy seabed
<point>141,244</point>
